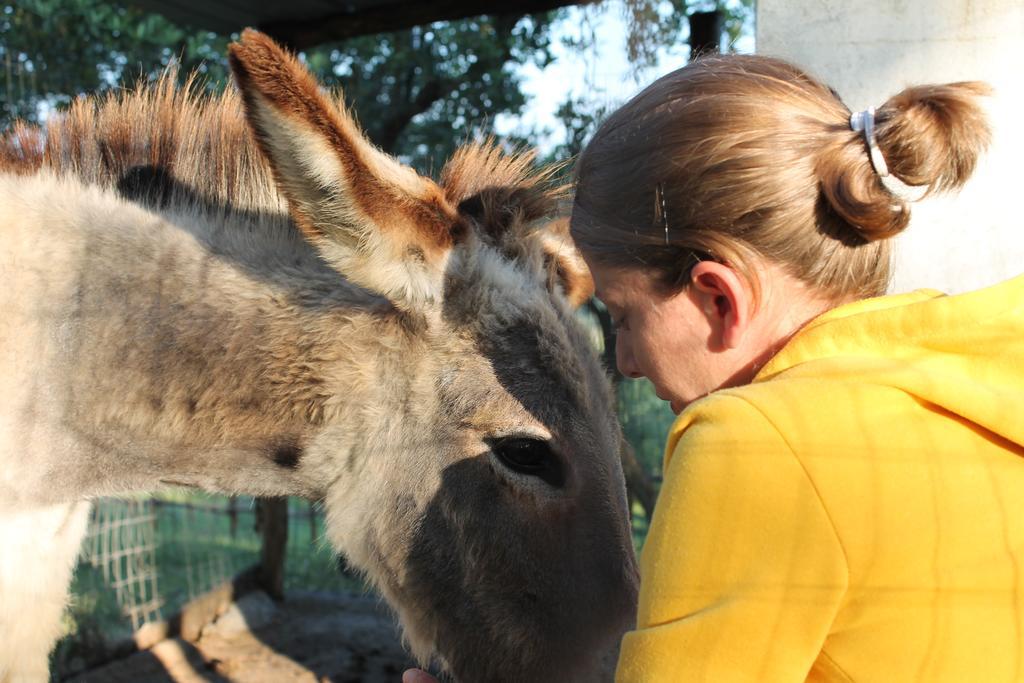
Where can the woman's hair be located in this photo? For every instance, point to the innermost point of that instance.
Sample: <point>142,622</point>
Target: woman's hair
<point>733,157</point>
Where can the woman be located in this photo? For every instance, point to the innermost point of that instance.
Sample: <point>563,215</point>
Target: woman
<point>844,485</point>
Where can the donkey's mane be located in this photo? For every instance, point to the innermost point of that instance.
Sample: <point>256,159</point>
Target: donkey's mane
<point>179,145</point>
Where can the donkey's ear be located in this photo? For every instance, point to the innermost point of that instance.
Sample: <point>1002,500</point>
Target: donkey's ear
<point>378,222</point>
<point>566,269</point>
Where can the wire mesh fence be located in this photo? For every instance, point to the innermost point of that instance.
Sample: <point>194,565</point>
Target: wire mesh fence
<point>120,547</point>
<point>143,559</point>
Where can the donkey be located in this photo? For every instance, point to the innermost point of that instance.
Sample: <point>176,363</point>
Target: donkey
<point>244,295</point>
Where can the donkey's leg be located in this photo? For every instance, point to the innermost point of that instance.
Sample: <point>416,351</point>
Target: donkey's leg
<point>38,548</point>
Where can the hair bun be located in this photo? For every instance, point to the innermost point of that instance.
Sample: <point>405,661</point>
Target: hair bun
<point>929,135</point>
<point>933,134</point>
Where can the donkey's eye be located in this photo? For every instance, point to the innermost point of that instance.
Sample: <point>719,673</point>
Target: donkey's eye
<point>528,456</point>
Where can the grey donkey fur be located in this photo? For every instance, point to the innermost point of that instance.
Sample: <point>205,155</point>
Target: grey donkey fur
<point>314,320</point>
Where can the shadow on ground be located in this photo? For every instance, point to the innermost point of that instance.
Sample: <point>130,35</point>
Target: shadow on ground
<point>310,637</point>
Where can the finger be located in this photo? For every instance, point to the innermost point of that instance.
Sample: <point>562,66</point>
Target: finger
<point>417,676</point>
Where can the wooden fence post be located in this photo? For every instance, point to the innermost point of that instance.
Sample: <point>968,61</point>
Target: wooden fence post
<point>272,523</point>
<point>705,33</point>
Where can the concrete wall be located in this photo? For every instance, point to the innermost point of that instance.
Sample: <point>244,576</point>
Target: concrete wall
<point>869,51</point>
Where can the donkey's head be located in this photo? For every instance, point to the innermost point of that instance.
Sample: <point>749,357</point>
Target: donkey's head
<point>488,502</point>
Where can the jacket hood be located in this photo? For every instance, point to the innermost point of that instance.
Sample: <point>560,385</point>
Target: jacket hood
<point>963,354</point>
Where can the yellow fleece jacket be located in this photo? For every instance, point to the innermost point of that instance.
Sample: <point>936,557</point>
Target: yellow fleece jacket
<point>854,514</point>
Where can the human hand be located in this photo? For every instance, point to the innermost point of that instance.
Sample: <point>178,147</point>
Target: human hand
<point>417,676</point>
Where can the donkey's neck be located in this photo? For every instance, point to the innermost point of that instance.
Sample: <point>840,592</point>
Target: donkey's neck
<point>197,354</point>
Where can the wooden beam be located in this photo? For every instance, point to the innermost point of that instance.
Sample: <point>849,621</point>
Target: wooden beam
<point>302,34</point>
<point>220,17</point>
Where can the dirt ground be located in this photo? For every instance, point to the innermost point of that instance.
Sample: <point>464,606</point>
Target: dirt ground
<point>308,638</point>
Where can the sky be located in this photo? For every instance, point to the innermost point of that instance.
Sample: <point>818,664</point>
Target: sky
<point>603,74</point>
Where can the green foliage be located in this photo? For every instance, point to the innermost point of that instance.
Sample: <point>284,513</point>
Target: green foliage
<point>645,421</point>
<point>640,525</point>
<point>657,23</point>
<point>419,93</point>
<point>651,26</point>
<point>53,50</point>
<point>580,118</point>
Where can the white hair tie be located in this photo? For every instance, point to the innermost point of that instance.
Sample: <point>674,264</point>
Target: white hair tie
<point>865,121</point>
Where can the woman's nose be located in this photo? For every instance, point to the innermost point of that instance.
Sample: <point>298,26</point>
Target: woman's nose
<point>625,360</point>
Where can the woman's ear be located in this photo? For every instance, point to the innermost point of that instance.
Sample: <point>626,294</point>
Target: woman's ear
<point>727,300</point>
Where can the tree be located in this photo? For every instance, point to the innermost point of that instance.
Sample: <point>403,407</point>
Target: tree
<point>54,50</point>
<point>651,26</point>
<point>418,92</point>
<point>421,92</point>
